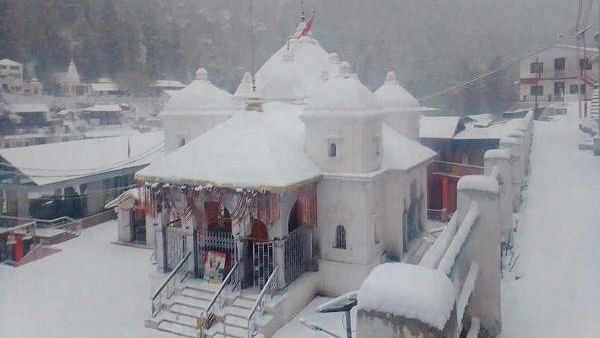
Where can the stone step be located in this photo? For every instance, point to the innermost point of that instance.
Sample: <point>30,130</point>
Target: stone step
<point>197,303</point>
<point>178,318</point>
<point>186,310</point>
<point>197,293</point>
<point>236,322</point>
<point>231,331</point>
<point>201,285</point>
<point>178,329</point>
<point>244,303</point>
<point>237,311</point>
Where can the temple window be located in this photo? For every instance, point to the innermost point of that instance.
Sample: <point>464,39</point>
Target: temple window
<point>340,237</point>
<point>332,151</point>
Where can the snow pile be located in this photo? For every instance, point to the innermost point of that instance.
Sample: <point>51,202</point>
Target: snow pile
<point>409,291</point>
<point>478,182</point>
<point>447,262</point>
<point>497,153</point>
<point>434,255</point>
<point>200,97</point>
<point>392,95</point>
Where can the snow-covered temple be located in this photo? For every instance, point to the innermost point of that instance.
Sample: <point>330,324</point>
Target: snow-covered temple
<point>297,187</point>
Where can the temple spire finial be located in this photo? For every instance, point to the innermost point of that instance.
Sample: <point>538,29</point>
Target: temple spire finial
<point>302,12</point>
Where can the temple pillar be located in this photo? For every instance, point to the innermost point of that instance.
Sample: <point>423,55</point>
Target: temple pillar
<point>445,194</point>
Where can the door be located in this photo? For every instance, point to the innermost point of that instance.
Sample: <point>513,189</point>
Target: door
<point>559,90</point>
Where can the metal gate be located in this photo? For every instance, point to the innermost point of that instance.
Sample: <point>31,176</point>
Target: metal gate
<point>298,253</point>
<point>214,240</point>
<point>175,246</point>
<point>263,262</point>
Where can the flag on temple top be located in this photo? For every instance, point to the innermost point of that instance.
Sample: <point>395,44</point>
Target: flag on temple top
<point>308,26</point>
<point>128,148</point>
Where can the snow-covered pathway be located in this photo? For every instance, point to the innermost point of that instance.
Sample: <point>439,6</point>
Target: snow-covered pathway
<point>91,289</point>
<point>558,294</point>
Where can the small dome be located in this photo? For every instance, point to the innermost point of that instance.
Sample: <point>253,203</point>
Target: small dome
<point>199,97</point>
<point>393,96</point>
<point>293,71</point>
<point>244,90</point>
<point>343,94</point>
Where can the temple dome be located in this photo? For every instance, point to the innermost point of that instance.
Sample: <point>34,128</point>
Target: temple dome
<point>293,71</point>
<point>200,97</point>
<point>342,94</point>
<point>392,95</point>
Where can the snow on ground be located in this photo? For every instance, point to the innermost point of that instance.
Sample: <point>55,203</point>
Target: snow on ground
<point>558,293</point>
<point>332,322</point>
<point>92,288</point>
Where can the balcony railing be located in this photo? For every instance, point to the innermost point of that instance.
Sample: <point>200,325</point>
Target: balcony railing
<point>438,215</point>
<point>455,169</point>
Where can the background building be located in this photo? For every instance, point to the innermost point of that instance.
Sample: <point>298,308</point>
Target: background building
<point>556,72</point>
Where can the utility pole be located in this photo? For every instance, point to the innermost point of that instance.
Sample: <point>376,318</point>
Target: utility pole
<point>538,75</point>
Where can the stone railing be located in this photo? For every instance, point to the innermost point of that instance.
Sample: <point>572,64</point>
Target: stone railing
<point>258,310</point>
<point>171,284</point>
<point>231,281</point>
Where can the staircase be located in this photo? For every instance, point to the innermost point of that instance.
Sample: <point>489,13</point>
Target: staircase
<point>183,310</point>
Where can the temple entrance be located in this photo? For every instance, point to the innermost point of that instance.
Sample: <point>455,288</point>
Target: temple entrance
<point>260,260</point>
<point>298,246</point>
<point>216,252</point>
<point>293,220</point>
<point>411,220</point>
<point>138,225</point>
<point>174,245</point>
<point>215,244</point>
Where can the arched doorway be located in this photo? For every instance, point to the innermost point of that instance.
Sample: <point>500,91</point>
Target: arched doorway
<point>412,216</point>
<point>293,219</point>
<point>259,255</point>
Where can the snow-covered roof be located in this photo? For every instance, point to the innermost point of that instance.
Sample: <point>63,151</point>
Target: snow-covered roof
<point>393,96</point>
<point>9,62</point>
<point>129,196</point>
<point>104,87</point>
<point>71,75</point>
<point>402,153</point>
<point>168,84</point>
<point>250,150</point>
<point>343,94</point>
<point>481,120</point>
<point>200,97</point>
<point>440,127</point>
<point>408,291</point>
<point>292,72</point>
<point>28,108</point>
<point>264,151</point>
<point>104,108</point>
<point>57,162</point>
<point>494,130</point>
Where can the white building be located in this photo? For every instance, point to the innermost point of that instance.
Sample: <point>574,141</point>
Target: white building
<point>310,188</point>
<point>558,72</point>
<point>11,76</point>
<point>12,79</point>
